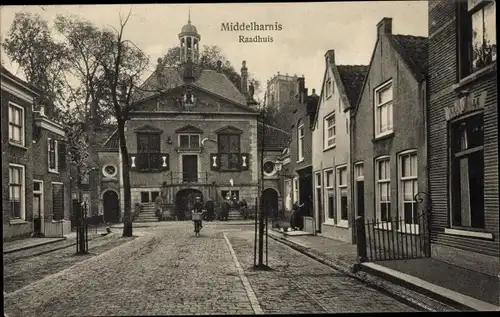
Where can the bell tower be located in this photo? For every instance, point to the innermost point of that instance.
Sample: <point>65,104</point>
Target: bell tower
<point>189,42</point>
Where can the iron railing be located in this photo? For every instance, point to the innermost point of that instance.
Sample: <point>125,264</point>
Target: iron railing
<point>178,178</point>
<point>396,238</point>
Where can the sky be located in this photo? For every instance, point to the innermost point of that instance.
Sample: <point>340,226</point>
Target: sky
<point>308,31</point>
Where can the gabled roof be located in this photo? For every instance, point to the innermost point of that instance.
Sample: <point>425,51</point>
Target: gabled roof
<point>413,50</point>
<point>189,129</point>
<point>274,138</point>
<point>352,77</point>
<point>27,86</point>
<point>206,79</point>
<point>228,129</point>
<point>349,80</point>
<point>111,144</point>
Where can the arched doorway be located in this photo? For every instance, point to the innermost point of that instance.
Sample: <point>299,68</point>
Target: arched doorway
<point>111,206</point>
<point>270,201</point>
<point>184,200</point>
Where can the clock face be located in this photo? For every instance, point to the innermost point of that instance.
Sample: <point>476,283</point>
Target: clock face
<point>110,170</point>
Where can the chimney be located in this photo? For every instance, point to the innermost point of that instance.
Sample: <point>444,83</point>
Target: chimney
<point>330,56</point>
<point>219,66</point>
<point>314,92</point>
<point>384,27</point>
<point>244,78</point>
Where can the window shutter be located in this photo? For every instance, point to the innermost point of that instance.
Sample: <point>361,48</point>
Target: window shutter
<point>214,162</point>
<point>132,161</point>
<point>244,161</point>
<point>62,155</point>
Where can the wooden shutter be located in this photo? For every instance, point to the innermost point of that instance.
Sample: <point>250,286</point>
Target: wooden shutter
<point>132,161</point>
<point>214,162</point>
<point>61,149</point>
<point>57,201</point>
<point>165,163</point>
<point>244,161</point>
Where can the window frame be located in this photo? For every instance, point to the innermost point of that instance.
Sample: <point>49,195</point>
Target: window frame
<point>300,141</point>
<point>456,156</point>
<point>21,125</point>
<point>329,191</point>
<point>273,172</point>
<point>22,193</point>
<point>54,170</point>
<point>288,203</point>
<point>412,228</point>
<point>328,88</point>
<point>148,154</point>
<point>359,166</point>
<point>295,190</point>
<point>339,187</point>
<point>229,152</point>
<point>326,127</point>
<point>378,183</point>
<point>190,147</point>
<point>390,106</point>
<point>106,174</point>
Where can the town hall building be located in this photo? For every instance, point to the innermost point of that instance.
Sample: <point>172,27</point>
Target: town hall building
<point>191,132</point>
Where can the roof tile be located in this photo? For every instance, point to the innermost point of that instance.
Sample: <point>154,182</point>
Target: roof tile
<point>352,77</point>
<point>414,51</point>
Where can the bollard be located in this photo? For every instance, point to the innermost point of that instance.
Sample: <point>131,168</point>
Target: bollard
<point>361,239</point>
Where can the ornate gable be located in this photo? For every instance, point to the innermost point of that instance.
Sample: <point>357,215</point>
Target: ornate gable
<point>188,129</point>
<point>148,129</point>
<point>229,129</point>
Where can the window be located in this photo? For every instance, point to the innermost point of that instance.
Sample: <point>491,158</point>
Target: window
<point>300,140</point>
<point>229,151</point>
<point>149,156</point>
<point>16,191</point>
<point>269,168</point>
<point>358,171</point>
<point>58,202</point>
<point>16,124</point>
<point>383,110</point>
<point>52,155</point>
<point>329,185</point>
<point>318,193</point>
<point>109,171</point>
<point>318,179</point>
<point>328,88</point>
<point>296,189</point>
<point>467,172</point>
<point>330,131</point>
<point>383,189</point>
<point>408,187</point>
<point>189,141</point>
<point>329,179</point>
<point>342,194</point>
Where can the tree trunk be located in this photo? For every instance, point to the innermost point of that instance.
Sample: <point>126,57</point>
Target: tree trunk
<point>127,198</point>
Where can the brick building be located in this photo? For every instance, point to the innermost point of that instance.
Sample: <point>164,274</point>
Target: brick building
<point>331,147</point>
<point>389,150</point>
<point>191,132</point>
<point>51,179</point>
<point>281,92</point>
<point>300,147</point>
<point>463,134</point>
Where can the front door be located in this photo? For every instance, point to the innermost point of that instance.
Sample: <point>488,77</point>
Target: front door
<point>320,209</point>
<point>37,213</point>
<point>190,168</point>
<point>360,201</point>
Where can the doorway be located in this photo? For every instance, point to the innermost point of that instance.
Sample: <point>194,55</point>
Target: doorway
<point>190,168</point>
<point>360,198</point>
<point>111,206</point>
<point>37,214</point>
<point>184,200</point>
<point>320,209</point>
<point>270,201</point>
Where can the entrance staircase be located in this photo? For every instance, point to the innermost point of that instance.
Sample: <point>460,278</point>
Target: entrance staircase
<point>234,215</point>
<point>147,213</point>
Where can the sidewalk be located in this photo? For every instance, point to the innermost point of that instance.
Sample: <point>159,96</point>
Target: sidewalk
<point>427,283</point>
<point>30,243</point>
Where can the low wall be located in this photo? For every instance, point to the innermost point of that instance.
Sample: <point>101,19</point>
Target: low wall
<point>309,224</point>
<point>56,229</point>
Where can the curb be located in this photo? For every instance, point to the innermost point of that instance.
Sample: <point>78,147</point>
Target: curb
<point>407,296</point>
<point>34,246</point>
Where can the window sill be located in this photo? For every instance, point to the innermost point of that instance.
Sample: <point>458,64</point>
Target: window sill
<point>383,136</point>
<point>18,222</point>
<point>329,148</point>
<point>476,76</point>
<point>330,223</point>
<point>62,220</point>
<point>342,224</point>
<point>14,144</point>
<point>468,233</point>
<point>300,161</point>
<point>54,172</point>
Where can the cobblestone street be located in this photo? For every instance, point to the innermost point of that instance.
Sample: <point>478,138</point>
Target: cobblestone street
<point>166,270</point>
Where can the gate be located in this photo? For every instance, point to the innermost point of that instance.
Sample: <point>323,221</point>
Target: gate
<point>395,238</point>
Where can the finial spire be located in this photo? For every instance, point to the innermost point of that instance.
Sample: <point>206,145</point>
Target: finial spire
<point>189,15</point>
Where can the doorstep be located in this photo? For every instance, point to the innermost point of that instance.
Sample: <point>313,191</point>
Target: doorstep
<point>28,243</point>
<point>467,289</point>
<point>297,233</point>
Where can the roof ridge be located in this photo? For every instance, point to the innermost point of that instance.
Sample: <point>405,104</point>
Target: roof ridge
<point>410,35</point>
<point>353,65</point>
<point>274,127</point>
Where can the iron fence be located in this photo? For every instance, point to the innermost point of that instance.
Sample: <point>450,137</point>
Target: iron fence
<point>396,238</point>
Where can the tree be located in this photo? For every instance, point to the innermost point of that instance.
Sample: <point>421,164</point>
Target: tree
<point>123,65</point>
<point>30,45</point>
<point>209,56</point>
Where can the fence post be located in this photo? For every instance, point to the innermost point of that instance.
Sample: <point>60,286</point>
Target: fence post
<point>361,241</point>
